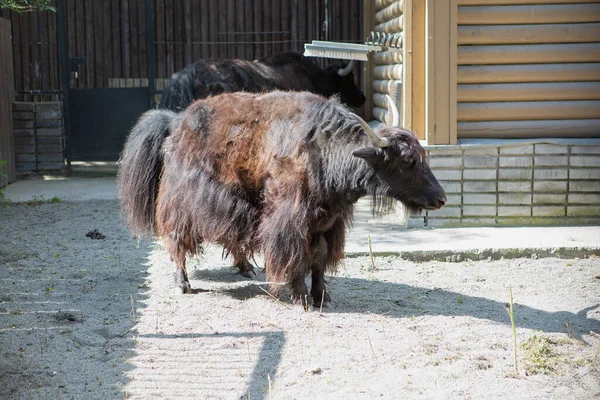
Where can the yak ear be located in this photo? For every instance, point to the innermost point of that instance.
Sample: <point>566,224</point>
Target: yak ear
<point>368,153</point>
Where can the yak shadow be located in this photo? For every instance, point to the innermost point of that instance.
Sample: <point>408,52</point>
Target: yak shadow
<point>406,301</point>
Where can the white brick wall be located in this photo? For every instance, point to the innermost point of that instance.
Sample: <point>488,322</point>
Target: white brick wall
<point>523,184</point>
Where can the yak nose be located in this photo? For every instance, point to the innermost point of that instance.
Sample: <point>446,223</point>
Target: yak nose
<point>441,201</point>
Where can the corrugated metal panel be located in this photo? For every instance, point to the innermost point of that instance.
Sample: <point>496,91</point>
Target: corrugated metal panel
<point>528,68</point>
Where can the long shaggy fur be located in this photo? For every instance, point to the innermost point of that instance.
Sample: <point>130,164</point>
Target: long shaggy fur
<point>286,71</point>
<point>275,173</point>
<point>140,168</point>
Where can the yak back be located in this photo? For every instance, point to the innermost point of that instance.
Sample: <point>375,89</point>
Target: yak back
<point>246,140</point>
<point>285,71</point>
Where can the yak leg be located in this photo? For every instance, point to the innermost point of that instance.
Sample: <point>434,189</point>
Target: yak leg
<point>317,290</point>
<point>245,267</point>
<point>330,251</point>
<point>299,290</point>
<point>182,283</point>
<point>177,253</point>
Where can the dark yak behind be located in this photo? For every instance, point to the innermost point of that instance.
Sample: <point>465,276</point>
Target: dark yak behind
<point>277,173</point>
<point>286,71</point>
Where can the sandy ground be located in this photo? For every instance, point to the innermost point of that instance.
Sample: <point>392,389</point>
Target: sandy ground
<point>88,318</point>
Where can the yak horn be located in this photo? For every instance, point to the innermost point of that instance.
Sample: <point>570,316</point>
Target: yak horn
<point>347,70</point>
<point>394,110</point>
<point>375,140</point>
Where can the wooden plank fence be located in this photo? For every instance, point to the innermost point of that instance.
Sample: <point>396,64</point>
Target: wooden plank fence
<point>7,170</point>
<point>111,35</point>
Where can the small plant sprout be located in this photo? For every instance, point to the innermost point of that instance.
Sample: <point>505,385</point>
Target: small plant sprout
<point>514,329</point>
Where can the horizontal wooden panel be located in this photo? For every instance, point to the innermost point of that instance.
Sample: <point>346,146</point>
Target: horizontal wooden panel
<point>529,14</point>
<point>517,2</point>
<point>528,110</point>
<point>392,11</point>
<point>528,53</point>
<point>392,26</point>
<point>529,91</point>
<point>533,129</point>
<point>387,86</point>
<point>522,34</point>
<point>387,57</point>
<point>528,73</point>
<point>388,72</point>
<point>381,4</point>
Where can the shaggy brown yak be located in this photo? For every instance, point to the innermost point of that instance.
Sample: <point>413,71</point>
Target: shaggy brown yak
<point>276,173</point>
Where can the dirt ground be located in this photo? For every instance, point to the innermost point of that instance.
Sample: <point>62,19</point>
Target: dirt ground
<point>90,317</point>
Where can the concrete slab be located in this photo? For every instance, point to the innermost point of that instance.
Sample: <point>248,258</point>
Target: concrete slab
<point>65,188</point>
<point>387,233</point>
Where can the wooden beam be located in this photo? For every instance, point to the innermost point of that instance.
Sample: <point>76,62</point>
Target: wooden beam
<point>387,57</point>
<point>533,129</point>
<point>393,71</point>
<point>517,2</point>
<point>441,35</point>
<point>367,76</point>
<point>391,26</point>
<point>386,86</point>
<point>407,62</point>
<point>545,91</point>
<point>528,110</point>
<point>418,75</point>
<point>529,53</point>
<point>528,73</point>
<point>378,5</point>
<point>394,10</point>
<point>529,34</point>
<point>529,14</point>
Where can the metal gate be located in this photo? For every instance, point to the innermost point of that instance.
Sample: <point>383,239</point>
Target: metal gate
<point>102,102</point>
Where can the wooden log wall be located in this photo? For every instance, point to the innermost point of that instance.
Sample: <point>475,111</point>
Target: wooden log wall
<point>7,94</point>
<point>387,69</point>
<point>111,35</point>
<point>528,68</point>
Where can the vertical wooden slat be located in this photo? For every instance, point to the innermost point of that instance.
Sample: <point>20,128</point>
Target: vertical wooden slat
<point>52,44</point>
<point>117,71</point>
<point>205,32</point>
<point>90,44</point>
<point>6,99</point>
<point>368,23</point>
<point>187,17</point>
<point>159,16</point>
<point>169,46</point>
<point>134,15</point>
<point>285,26</point>
<point>18,51</point>
<point>125,39</point>
<point>266,27</point>
<point>106,43</point>
<point>294,25</point>
<point>276,27</point>
<point>249,37</point>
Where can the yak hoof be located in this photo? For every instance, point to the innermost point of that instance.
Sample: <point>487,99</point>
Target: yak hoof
<point>301,300</point>
<point>246,269</point>
<point>182,285</point>
<point>184,288</point>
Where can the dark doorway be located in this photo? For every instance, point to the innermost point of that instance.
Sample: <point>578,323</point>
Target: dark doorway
<point>101,120</point>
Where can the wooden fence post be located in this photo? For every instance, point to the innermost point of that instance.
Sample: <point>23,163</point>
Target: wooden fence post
<point>7,96</point>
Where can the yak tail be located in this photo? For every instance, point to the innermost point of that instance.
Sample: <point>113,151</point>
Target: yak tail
<point>179,91</point>
<point>140,168</point>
